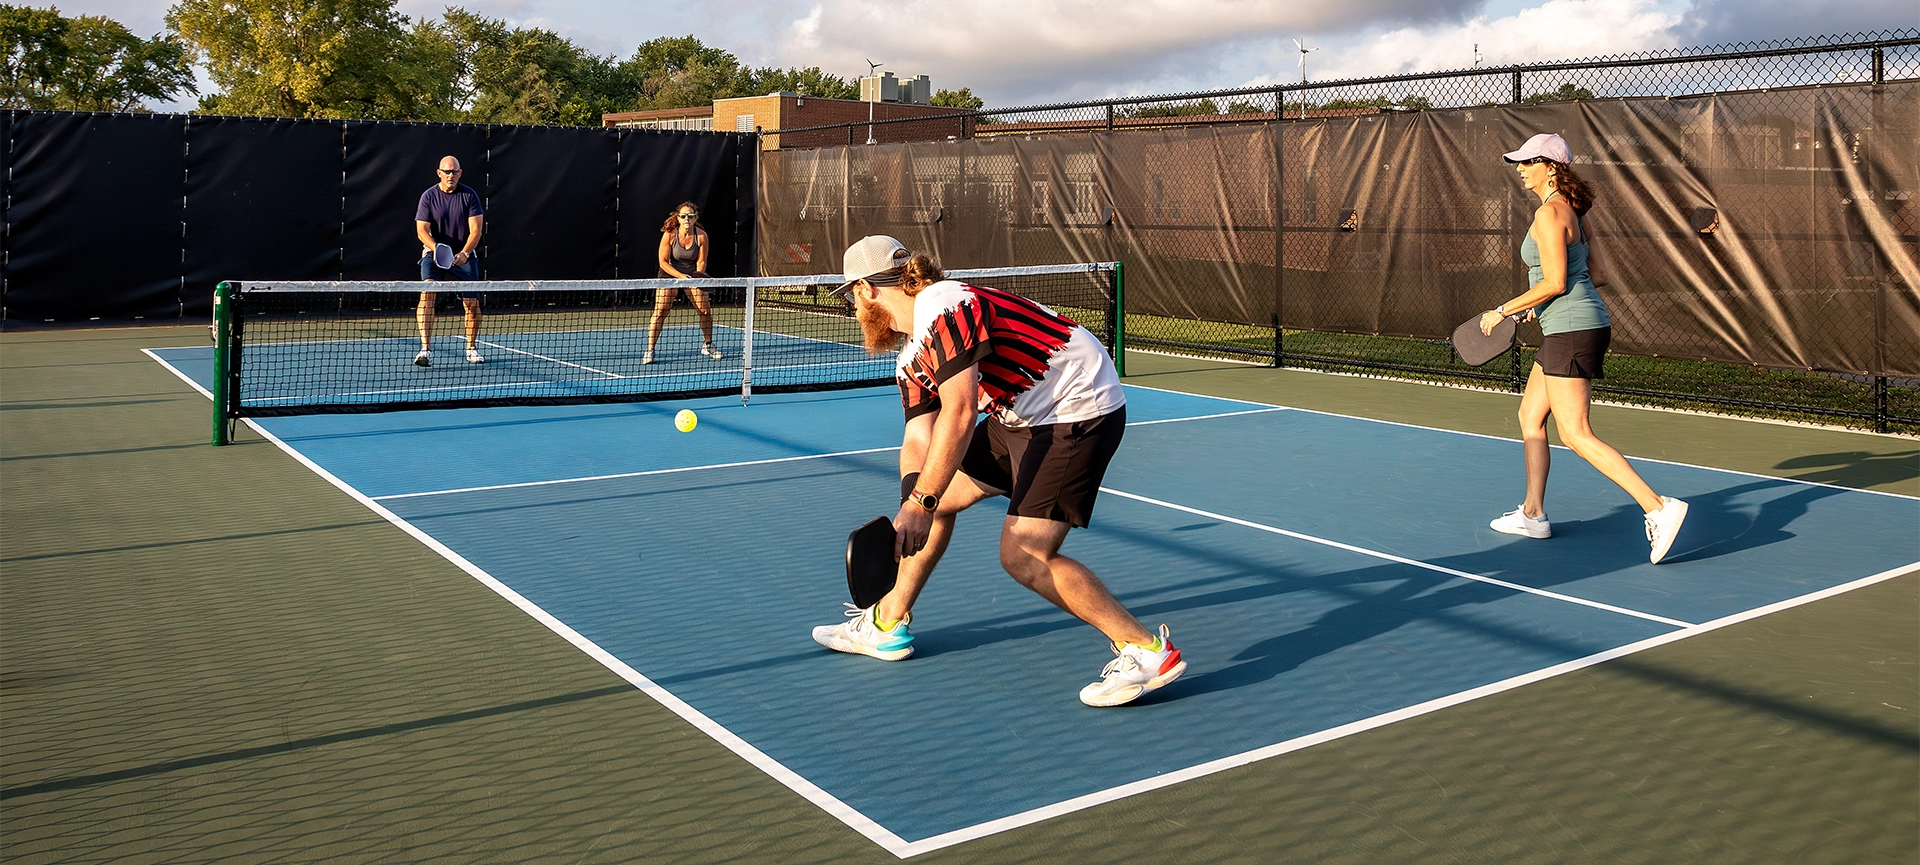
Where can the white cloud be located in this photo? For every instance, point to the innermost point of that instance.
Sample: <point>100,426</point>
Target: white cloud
<point>1557,29</point>
<point>1015,52</point>
<point>1015,48</point>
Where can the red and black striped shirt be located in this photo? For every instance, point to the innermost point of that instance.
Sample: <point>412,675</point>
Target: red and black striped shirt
<point>1013,339</point>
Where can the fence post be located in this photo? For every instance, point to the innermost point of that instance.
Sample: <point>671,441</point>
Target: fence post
<point>1879,67</point>
<point>1516,86</point>
<point>1513,361</point>
<point>1880,404</point>
<point>1279,226</point>
<point>1110,116</point>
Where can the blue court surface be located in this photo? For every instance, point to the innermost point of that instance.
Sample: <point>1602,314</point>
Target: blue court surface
<point>1322,575</point>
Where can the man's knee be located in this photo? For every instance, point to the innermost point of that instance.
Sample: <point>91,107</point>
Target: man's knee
<point>1020,563</point>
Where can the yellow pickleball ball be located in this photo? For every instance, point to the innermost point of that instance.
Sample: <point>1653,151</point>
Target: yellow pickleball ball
<point>686,420</point>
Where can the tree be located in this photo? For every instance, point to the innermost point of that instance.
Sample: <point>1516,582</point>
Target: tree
<point>360,58</point>
<point>88,63</point>
<point>497,74</point>
<point>1417,103</point>
<point>1196,108</point>
<point>1566,93</point>
<point>962,98</point>
<point>806,82</point>
<point>307,58</point>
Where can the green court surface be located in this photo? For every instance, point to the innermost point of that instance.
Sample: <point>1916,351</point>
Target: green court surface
<point>215,655</point>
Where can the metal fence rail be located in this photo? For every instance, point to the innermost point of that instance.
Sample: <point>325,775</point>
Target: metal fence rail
<point>1347,225</point>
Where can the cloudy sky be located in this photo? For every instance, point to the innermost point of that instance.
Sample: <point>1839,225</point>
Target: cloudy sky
<point>1021,52</point>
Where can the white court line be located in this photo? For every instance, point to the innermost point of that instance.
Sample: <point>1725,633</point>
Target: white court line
<point>1556,447</point>
<point>1402,560</point>
<point>581,480</point>
<point>898,846</point>
<point>620,475</point>
<point>1157,782</point>
<point>792,780</point>
<point>551,359</point>
<point>1207,416</point>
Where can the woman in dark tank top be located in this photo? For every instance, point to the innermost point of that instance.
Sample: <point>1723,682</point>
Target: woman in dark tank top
<point>683,255</point>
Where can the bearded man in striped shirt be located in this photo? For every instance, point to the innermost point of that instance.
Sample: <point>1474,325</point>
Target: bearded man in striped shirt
<point>1055,415</point>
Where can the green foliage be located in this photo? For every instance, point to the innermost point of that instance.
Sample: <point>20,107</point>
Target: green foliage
<point>962,98</point>
<point>481,70</point>
<point>1567,92</point>
<point>360,58</point>
<point>1174,109</point>
<point>1410,102</point>
<point>88,63</point>
<point>307,58</point>
<point>806,82</point>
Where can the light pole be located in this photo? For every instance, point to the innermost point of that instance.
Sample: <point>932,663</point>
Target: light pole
<point>1303,74</point>
<point>871,66</point>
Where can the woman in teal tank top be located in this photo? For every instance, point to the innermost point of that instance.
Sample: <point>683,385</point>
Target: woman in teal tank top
<point>1564,275</point>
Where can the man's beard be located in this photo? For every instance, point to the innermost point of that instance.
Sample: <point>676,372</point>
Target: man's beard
<point>876,325</point>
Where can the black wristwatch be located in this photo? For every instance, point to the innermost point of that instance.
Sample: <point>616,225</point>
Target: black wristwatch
<point>926,500</point>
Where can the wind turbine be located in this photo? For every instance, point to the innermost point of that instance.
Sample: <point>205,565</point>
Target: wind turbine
<point>1303,74</point>
<point>871,66</point>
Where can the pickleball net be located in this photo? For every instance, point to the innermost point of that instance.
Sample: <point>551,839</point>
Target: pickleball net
<point>286,348</point>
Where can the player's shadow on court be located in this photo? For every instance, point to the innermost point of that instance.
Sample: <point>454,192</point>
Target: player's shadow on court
<point>1856,468</point>
<point>1719,523</point>
<point>1716,526</point>
<point>1399,602</point>
<point>1375,600</point>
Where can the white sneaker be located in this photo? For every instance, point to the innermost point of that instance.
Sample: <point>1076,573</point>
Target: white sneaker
<point>646,358</point>
<point>861,635</point>
<point>1134,672</point>
<point>1663,526</point>
<point>710,351</point>
<point>473,356</point>
<point>1516,522</point>
<point>424,358</point>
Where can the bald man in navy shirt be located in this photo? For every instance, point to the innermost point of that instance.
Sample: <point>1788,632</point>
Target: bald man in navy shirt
<point>449,213</point>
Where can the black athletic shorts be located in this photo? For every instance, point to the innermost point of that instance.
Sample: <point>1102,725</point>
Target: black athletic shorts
<point>1575,353</point>
<point>1053,471</point>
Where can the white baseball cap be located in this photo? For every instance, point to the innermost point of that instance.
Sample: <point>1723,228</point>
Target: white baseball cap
<point>1545,144</point>
<point>868,256</point>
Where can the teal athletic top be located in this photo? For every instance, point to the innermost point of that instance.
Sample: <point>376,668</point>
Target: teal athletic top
<point>1581,307</point>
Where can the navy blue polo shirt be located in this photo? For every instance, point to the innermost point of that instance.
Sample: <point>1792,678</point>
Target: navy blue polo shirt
<point>446,213</point>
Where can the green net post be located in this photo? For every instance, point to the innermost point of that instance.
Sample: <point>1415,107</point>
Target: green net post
<point>222,351</point>
<point>1119,319</point>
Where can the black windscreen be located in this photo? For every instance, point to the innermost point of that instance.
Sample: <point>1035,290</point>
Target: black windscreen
<point>263,202</point>
<point>94,220</point>
<point>550,203</point>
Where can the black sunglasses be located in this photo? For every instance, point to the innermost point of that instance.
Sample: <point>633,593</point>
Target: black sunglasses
<point>449,171</point>
<point>687,215</point>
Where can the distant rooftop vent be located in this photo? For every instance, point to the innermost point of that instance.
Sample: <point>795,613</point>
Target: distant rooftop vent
<point>917,90</point>
<point>880,88</point>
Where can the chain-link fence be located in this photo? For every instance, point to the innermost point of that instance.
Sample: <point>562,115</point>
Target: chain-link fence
<point>1755,213</point>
